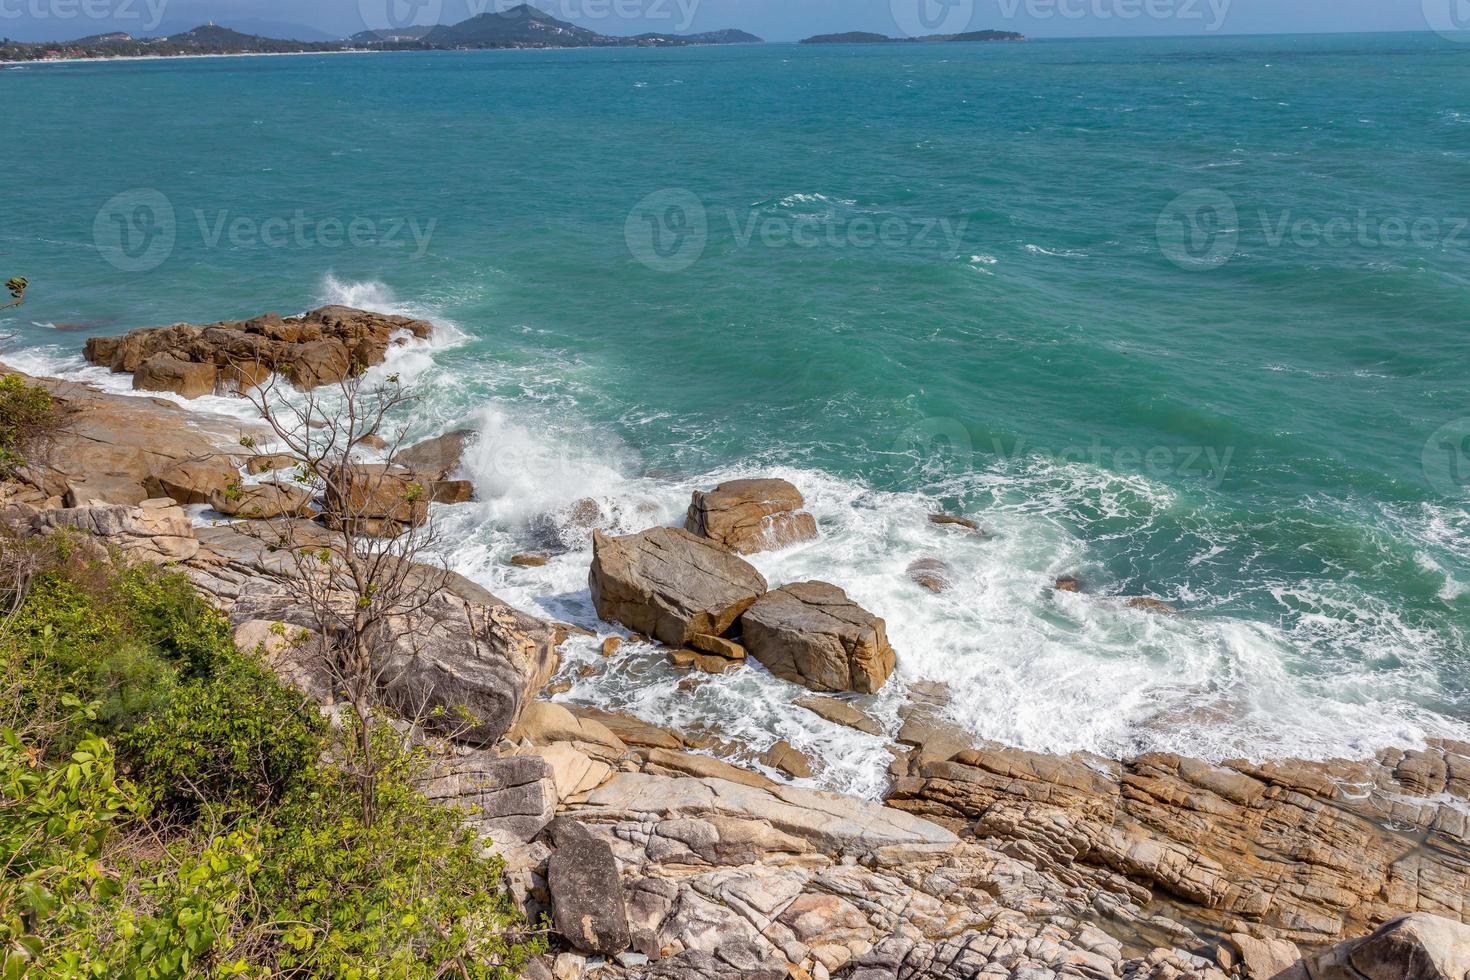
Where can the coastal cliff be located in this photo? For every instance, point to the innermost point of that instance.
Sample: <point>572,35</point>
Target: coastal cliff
<point>658,852</point>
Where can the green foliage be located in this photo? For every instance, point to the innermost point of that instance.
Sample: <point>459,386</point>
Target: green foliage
<point>236,738</point>
<point>54,823</point>
<point>413,896</point>
<point>264,866</point>
<point>29,417</point>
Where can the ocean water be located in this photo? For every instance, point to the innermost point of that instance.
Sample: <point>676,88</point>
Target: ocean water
<point>1184,318</point>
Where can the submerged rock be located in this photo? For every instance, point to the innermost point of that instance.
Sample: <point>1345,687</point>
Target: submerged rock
<point>840,713</point>
<point>748,516</point>
<point>813,634</point>
<point>670,584</point>
<point>932,574</point>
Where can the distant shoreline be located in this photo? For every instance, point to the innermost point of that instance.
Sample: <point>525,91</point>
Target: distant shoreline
<point>184,57</point>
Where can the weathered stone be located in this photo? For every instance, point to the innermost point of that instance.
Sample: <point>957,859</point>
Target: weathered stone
<point>841,713</point>
<point>787,759</point>
<point>263,501</point>
<point>165,372</point>
<point>951,520</point>
<point>375,496</point>
<point>717,646</point>
<point>747,516</point>
<point>1148,604</point>
<point>437,458</point>
<point>932,574</point>
<point>452,491</point>
<point>510,799</point>
<point>586,891</point>
<point>159,534</point>
<point>1415,947</point>
<point>1068,584</point>
<point>529,560</point>
<point>671,584</point>
<point>811,633</point>
<point>1268,959</point>
<point>194,481</point>
<point>707,663</point>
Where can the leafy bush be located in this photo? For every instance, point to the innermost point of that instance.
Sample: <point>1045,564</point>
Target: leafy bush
<point>29,420</point>
<point>236,738</point>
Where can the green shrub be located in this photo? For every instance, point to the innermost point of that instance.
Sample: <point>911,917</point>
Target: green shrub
<point>29,420</point>
<point>236,738</point>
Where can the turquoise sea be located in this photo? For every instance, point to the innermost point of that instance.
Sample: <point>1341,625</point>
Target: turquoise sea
<point>1184,318</point>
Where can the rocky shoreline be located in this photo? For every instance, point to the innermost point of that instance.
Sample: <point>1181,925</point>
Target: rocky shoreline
<point>656,853</point>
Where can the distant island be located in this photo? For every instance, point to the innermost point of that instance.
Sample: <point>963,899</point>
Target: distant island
<point>519,27</point>
<point>863,37</point>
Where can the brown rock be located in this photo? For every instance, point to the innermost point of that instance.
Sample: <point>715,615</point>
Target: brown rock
<point>1068,584</point>
<point>256,465</point>
<point>453,491</point>
<point>374,494</point>
<point>951,520</point>
<point>787,759</point>
<point>840,713</point>
<point>811,633</point>
<point>436,458</point>
<point>728,649</point>
<point>529,560</point>
<point>1268,959</point>
<point>321,362</point>
<point>611,645</point>
<point>747,516</point>
<point>703,662</point>
<point>1147,604</point>
<point>1415,947</point>
<point>932,574</point>
<point>167,372</point>
<point>671,584</point>
<point>194,481</point>
<point>264,501</point>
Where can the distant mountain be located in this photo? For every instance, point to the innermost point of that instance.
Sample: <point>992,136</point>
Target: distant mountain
<point>863,37</point>
<point>728,36</point>
<point>116,37</point>
<point>523,26</point>
<point>214,39</point>
<point>253,27</point>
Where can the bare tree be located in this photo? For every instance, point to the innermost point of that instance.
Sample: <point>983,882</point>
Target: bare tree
<point>366,571</point>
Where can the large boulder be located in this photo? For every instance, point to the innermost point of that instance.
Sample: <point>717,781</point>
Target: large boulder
<point>510,800</point>
<point>813,634</point>
<point>747,516</point>
<point>378,499</point>
<point>263,501</point>
<point>589,909</point>
<point>436,458</point>
<point>194,481</point>
<point>168,372</point>
<point>321,362</point>
<point>670,584</point>
<point>1415,947</point>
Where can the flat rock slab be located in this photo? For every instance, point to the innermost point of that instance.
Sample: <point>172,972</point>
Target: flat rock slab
<point>747,516</point>
<point>841,713</point>
<point>811,633</point>
<point>670,584</point>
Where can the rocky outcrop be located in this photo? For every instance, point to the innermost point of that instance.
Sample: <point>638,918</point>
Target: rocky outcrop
<point>1309,853</point>
<point>155,531</point>
<point>811,633</point>
<point>322,347</point>
<point>670,584</point>
<point>467,665</point>
<point>747,516</point>
<point>113,449</point>
<point>194,481</point>
<point>841,713</point>
<point>509,799</point>
<point>377,499</point>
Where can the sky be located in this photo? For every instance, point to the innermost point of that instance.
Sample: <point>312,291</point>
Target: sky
<point>775,20</point>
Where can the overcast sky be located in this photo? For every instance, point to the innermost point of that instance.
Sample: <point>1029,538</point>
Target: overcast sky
<point>777,20</point>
